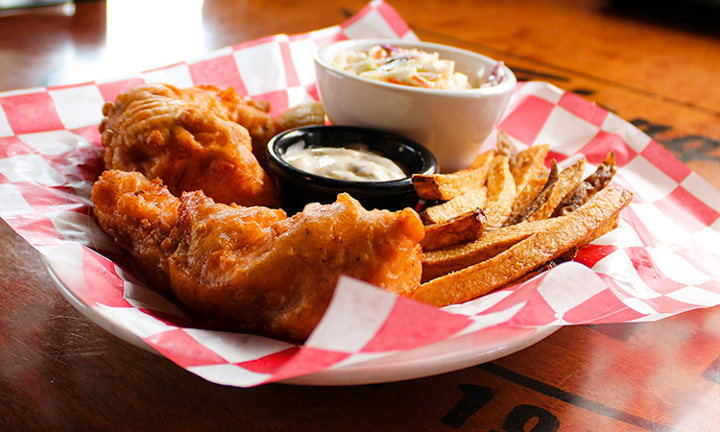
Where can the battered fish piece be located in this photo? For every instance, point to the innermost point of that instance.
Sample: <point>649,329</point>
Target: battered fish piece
<point>254,269</point>
<point>252,115</point>
<point>139,214</point>
<point>278,276</point>
<point>192,139</point>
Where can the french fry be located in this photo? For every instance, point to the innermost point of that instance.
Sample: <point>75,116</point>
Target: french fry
<point>570,254</point>
<point>445,187</point>
<point>304,114</point>
<point>483,160</point>
<point>591,185</point>
<point>601,231</point>
<point>529,201</point>
<point>567,256</point>
<point>528,194</point>
<point>531,253</point>
<point>505,145</point>
<point>461,229</point>
<point>550,215</point>
<point>568,179</point>
<point>530,191</point>
<point>554,192</point>
<point>492,242</point>
<point>527,164</point>
<point>464,203</point>
<point>501,192</point>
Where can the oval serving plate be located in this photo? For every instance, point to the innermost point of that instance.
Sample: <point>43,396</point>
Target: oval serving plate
<point>442,357</point>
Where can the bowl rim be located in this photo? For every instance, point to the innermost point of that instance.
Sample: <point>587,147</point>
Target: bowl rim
<point>273,156</point>
<point>507,85</point>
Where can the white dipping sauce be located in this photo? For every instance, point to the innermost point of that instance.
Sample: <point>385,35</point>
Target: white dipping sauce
<point>343,163</point>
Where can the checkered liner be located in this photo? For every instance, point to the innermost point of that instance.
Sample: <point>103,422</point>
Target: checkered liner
<point>664,258</point>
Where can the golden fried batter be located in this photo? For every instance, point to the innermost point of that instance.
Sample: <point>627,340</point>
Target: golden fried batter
<point>252,268</point>
<point>278,276</point>
<point>138,214</point>
<point>192,139</point>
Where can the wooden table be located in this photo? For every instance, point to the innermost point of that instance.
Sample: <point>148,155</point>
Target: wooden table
<point>60,371</point>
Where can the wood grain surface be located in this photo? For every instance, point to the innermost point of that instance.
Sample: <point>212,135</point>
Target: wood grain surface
<point>654,66</point>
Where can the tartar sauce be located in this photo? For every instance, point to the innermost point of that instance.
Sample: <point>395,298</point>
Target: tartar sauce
<point>343,163</point>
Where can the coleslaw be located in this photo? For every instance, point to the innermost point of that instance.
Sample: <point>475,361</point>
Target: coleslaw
<point>412,67</point>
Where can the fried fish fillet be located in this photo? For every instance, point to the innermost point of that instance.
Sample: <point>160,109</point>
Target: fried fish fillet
<point>193,139</point>
<point>139,214</point>
<point>252,268</point>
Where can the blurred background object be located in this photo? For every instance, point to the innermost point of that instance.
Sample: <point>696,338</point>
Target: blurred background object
<point>11,4</point>
<point>94,40</point>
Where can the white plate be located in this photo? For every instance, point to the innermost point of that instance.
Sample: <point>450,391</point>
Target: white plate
<point>447,356</point>
<point>442,357</point>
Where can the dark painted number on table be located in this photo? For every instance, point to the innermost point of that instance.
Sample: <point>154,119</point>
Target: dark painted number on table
<point>476,397</point>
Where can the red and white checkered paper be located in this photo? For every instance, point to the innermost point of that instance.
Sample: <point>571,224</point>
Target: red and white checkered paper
<point>664,258</point>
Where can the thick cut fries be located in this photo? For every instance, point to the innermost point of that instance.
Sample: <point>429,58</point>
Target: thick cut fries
<point>601,231</point>
<point>492,242</point>
<point>550,197</point>
<point>483,160</point>
<point>535,251</point>
<point>469,201</point>
<point>568,180</point>
<point>528,194</point>
<point>304,114</point>
<point>526,165</point>
<point>501,192</point>
<point>445,187</point>
<point>461,229</point>
<point>588,187</point>
<point>505,145</point>
<point>529,201</point>
<point>545,216</point>
<point>567,256</point>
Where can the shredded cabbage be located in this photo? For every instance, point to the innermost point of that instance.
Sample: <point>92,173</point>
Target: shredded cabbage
<point>411,67</point>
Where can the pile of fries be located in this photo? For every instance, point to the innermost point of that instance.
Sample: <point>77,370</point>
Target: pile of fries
<point>509,217</point>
